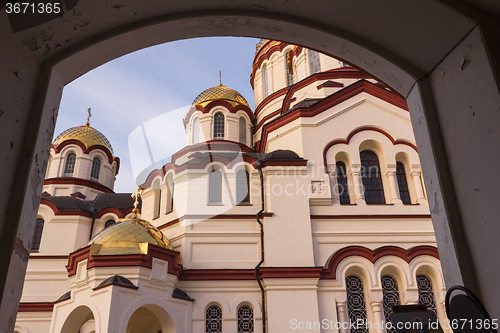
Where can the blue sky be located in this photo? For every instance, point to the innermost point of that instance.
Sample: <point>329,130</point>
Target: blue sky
<point>146,93</point>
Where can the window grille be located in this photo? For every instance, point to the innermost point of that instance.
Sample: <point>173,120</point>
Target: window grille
<point>404,193</point>
<point>245,319</point>
<point>288,65</point>
<point>342,186</point>
<point>69,168</point>
<point>391,297</point>
<point>265,81</point>
<point>215,186</point>
<point>356,307</point>
<point>109,223</point>
<point>96,168</point>
<point>219,126</point>
<point>196,130</point>
<point>242,188</point>
<point>37,236</point>
<point>243,130</point>
<point>425,293</point>
<point>314,64</point>
<point>213,322</point>
<point>372,181</point>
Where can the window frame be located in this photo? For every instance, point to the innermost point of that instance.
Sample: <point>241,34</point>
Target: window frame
<point>37,234</point>
<point>376,196</point>
<point>67,165</point>
<point>246,199</point>
<point>92,170</point>
<point>402,180</point>
<point>195,129</point>
<point>208,320</point>
<point>217,127</point>
<point>216,199</point>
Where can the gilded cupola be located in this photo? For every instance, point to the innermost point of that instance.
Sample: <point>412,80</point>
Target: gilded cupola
<point>220,93</point>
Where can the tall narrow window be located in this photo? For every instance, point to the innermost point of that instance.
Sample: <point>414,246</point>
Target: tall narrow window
<point>245,319</point>
<point>404,193</point>
<point>390,298</point>
<point>426,293</point>
<point>243,130</point>
<point>215,186</point>
<point>196,130</point>
<point>37,236</point>
<point>372,181</point>
<point>157,202</point>
<point>96,168</point>
<point>213,321</point>
<point>314,64</point>
<point>342,184</point>
<point>219,126</point>
<point>356,307</point>
<point>109,223</point>
<point>242,193</point>
<point>69,168</point>
<point>265,81</point>
<point>288,66</point>
<point>170,198</point>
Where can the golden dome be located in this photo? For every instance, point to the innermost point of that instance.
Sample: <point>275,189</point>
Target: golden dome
<point>87,135</point>
<point>128,236</point>
<point>220,93</point>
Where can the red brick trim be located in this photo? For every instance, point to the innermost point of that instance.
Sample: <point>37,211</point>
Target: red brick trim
<point>265,119</point>
<point>374,255</point>
<point>49,204</point>
<point>36,307</point>
<point>211,217</point>
<point>328,102</point>
<point>211,105</point>
<point>115,211</point>
<point>369,217</point>
<point>84,149</point>
<point>362,129</point>
<point>270,98</point>
<point>47,257</point>
<point>79,182</point>
<point>330,84</point>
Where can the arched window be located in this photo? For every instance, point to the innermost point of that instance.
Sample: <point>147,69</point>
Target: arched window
<point>265,81</point>
<point>342,186</point>
<point>245,319</point>
<point>96,168</point>
<point>288,66</point>
<point>108,223</point>
<point>69,168</point>
<point>196,130</point>
<point>372,181</point>
<point>215,186</point>
<point>356,307</point>
<point>390,298</point>
<point>157,202</point>
<point>243,130</point>
<point>404,193</point>
<point>242,188</point>
<point>170,204</point>
<point>314,64</point>
<point>426,293</point>
<point>213,321</point>
<point>37,235</point>
<point>219,126</point>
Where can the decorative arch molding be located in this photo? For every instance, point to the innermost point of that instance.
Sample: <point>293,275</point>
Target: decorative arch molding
<point>362,129</point>
<point>373,255</point>
<point>265,53</point>
<point>329,102</point>
<point>167,314</point>
<point>112,210</point>
<point>201,306</point>
<point>211,105</point>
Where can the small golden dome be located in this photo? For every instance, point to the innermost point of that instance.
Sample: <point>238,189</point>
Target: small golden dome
<point>87,135</point>
<point>220,93</point>
<point>128,236</point>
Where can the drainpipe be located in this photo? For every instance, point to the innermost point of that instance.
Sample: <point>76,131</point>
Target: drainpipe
<point>259,215</point>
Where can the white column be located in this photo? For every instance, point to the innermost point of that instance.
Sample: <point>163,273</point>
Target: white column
<point>378,311</point>
<point>418,186</point>
<point>359,189</point>
<point>343,317</point>
<point>393,185</point>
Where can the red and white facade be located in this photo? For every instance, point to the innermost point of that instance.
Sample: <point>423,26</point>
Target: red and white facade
<point>313,114</point>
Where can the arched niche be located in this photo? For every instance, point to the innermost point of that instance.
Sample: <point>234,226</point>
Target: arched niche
<point>150,318</point>
<point>79,320</point>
